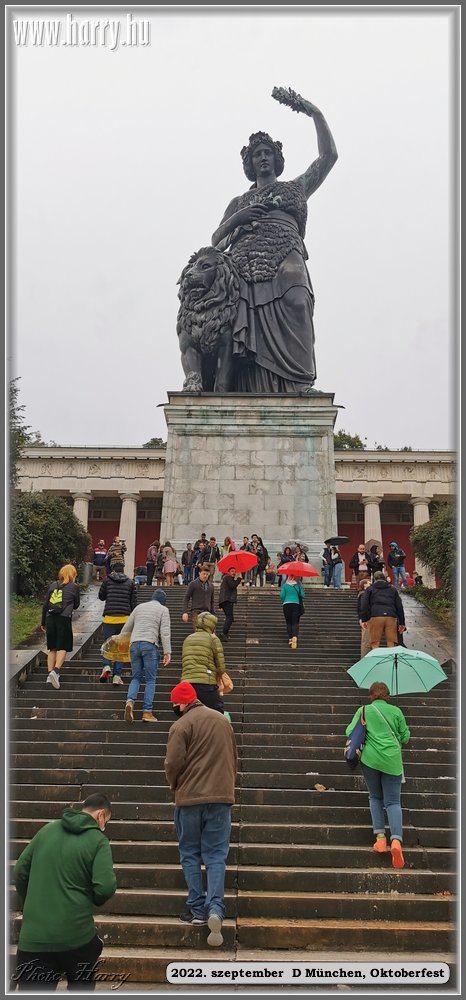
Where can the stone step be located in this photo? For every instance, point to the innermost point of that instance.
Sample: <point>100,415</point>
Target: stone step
<point>155,932</point>
<point>345,905</point>
<point>251,833</point>
<point>296,855</point>
<point>442,764</point>
<point>158,812</point>
<point>148,965</point>
<point>249,779</point>
<point>397,937</point>
<point>255,746</point>
<point>160,794</point>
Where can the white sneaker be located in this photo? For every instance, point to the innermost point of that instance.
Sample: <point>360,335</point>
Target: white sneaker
<point>117,680</point>
<point>53,679</point>
<point>214,923</point>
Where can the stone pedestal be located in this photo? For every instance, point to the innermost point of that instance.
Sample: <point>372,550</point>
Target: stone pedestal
<point>238,464</point>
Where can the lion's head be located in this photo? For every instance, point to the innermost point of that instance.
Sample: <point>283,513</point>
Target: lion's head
<point>209,292</point>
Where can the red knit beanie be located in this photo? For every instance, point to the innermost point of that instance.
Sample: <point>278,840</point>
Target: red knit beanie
<point>183,694</point>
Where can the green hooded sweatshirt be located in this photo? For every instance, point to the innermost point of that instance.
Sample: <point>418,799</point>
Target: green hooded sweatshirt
<point>202,657</point>
<point>65,871</point>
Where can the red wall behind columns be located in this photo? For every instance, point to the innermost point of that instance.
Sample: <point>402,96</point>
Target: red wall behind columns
<point>390,533</point>
<point>103,529</point>
<point>146,532</point>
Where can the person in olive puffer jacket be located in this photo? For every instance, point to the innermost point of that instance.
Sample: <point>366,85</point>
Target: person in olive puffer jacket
<point>203,661</point>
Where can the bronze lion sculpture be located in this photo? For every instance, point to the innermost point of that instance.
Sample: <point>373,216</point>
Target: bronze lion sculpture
<point>209,292</point>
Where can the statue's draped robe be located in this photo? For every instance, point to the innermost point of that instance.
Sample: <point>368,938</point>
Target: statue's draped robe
<point>273,335</point>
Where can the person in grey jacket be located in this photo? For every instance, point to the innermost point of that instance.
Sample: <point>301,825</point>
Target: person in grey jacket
<point>149,625</point>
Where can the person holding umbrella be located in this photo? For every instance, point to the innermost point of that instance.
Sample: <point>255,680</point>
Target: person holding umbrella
<point>382,767</point>
<point>228,597</point>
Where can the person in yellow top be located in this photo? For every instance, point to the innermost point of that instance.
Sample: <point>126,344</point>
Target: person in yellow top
<point>120,596</point>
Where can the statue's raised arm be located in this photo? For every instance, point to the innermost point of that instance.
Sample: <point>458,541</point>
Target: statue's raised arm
<point>267,331</point>
<point>318,170</point>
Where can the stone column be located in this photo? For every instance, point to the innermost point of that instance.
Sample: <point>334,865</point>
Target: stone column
<point>81,507</point>
<point>372,523</point>
<point>421,515</point>
<point>127,530</point>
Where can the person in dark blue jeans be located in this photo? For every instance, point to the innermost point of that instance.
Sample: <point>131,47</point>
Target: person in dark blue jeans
<point>149,625</point>
<point>200,767</point>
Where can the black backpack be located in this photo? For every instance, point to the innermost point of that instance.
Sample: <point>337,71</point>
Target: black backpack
<point>55,602</point>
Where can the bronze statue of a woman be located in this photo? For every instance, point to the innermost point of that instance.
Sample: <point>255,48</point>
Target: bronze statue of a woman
<point>263,232</point>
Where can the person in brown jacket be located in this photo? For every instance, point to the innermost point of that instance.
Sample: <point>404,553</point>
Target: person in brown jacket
<point>200,767</point>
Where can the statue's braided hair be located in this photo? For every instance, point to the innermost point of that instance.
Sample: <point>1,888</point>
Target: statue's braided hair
<point>247,151</point>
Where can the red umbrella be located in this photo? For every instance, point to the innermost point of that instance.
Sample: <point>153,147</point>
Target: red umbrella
<point>241,561</point>
<point>297,569</point>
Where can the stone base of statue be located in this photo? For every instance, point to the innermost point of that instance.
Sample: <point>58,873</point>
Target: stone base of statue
<point>238,464</point>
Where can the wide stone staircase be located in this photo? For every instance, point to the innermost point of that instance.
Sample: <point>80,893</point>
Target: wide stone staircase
<point>301,872</point>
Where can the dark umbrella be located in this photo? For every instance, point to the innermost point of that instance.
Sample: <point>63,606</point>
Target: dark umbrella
<point>337,540</point>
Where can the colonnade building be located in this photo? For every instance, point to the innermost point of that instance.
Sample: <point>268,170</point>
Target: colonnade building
<point>119,491</point>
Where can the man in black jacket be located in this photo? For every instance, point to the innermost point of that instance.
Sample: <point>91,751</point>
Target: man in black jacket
<point>120,596</point>
<point>200,594</point>
<point>382,609</point>
<point>228,597</point>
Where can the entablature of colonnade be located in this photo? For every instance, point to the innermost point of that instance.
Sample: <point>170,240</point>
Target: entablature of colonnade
<point>110,471</point>
<point>95,471</point>
<point>394,475</point>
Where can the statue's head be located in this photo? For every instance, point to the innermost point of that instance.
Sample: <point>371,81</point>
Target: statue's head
<point>256,139</point>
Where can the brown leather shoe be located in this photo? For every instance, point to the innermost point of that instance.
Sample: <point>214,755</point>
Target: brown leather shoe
<point>129,717</point>
<point>148,717</point>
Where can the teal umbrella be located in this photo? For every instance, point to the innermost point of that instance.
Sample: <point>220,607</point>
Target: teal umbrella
<point>404,671</point>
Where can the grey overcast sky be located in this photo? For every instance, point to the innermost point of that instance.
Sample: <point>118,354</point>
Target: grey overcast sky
<point>123,162</point>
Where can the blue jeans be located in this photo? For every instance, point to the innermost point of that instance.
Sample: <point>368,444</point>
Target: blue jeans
<point>397,572</point>
<point>187,574</point>
<point>108,630</point>
<point>337,571</point>
<point>204,838</point>
<point>384,792</point>
<point>144,656</point>
<point>327,574</point>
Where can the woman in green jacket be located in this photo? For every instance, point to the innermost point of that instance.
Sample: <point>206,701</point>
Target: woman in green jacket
<point>382,766</point>
<point>291,596</point>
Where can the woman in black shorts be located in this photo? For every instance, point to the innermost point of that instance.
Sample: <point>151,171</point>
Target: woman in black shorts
<point>61,600</point>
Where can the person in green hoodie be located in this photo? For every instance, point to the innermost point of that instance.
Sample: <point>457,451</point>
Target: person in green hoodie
<point>64,872</point>
<point>382,767</point>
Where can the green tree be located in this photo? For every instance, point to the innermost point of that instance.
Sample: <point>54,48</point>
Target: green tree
<point>45,535</point>
<point>21,435</point>
<point>155,443</point>
<point>435,543</point>
<point>19,430</point>
<point>342,441</point>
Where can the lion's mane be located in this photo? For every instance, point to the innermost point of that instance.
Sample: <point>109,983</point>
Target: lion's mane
<point>203,319</point>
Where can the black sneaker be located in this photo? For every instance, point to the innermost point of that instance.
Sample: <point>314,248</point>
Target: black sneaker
<point>225,636</point>
<point>189,918</point>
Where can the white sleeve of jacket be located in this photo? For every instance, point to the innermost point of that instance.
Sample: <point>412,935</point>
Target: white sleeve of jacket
<point>165,633</point>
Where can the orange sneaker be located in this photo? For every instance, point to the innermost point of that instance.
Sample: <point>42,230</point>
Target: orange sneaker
<point>398,860</point>
<point>380,845</point>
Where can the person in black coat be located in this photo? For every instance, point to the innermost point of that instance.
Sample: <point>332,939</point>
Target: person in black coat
<point>120,596</point>
<point>228,597</point>
<point>381,606</point>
